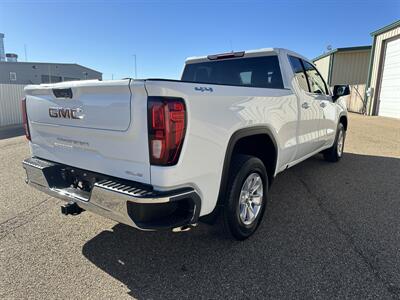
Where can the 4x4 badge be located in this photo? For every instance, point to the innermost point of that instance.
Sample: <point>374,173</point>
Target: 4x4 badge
<point>203,89</point>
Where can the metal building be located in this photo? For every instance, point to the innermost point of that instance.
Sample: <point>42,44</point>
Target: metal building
<point>347,66</point>
<point>36,73</point>
<point>384,72</point>
<point>12,57</point>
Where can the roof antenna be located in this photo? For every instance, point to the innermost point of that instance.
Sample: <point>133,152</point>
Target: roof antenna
<point>230,43</point>
<point>329,48</point>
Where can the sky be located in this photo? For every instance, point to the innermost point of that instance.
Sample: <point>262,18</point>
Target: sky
<point>105,35</point>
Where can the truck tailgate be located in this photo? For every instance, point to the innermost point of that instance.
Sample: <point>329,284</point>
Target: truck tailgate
<point>100,126</point>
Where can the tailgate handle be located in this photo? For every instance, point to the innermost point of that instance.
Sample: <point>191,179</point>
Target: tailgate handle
<point>62,93</point>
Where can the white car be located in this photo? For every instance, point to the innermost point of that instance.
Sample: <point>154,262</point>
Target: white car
<point>166,154</point>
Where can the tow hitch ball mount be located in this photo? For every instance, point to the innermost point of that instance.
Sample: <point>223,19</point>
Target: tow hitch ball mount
<point>71,208</point>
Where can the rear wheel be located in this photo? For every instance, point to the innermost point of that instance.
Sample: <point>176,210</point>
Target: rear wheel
<point>335,153</point>
<point>246,196</point>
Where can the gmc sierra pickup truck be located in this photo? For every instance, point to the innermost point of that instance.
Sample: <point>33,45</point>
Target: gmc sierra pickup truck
<point>166,154</point>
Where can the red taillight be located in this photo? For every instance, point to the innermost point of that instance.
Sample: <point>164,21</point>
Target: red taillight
<point>167,125</point>
<point>25,119</point>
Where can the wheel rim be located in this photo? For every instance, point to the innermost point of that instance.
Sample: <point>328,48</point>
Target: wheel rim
<point>340,143</point>
<point>251,199</point>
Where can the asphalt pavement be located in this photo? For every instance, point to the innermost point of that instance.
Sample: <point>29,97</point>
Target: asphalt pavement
<point>331,230</point>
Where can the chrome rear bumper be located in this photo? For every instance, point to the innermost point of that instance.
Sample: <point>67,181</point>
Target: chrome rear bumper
<point>124,201</point>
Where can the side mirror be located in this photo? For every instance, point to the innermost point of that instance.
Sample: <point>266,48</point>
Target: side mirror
<point>339,91</point>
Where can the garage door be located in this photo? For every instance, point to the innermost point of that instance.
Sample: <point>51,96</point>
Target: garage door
<point>389,105</point>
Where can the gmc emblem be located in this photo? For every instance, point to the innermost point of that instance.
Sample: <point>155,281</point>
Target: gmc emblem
<point>66,113</point>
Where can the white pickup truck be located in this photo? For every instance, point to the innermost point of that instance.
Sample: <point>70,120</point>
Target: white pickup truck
<point>166,154</point>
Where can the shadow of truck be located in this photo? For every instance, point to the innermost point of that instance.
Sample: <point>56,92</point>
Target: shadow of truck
<point>329,230</point>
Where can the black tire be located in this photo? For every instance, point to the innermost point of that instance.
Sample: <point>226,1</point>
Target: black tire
<point>333,154</point>
<point>242,167</point>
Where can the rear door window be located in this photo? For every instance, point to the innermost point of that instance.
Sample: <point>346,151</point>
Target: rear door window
<point>263,72</point>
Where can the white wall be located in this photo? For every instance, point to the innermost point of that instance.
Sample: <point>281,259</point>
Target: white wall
<point>323,67</point>
<point>10,103</point>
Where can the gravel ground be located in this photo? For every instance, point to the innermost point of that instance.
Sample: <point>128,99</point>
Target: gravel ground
<point>330,231</point>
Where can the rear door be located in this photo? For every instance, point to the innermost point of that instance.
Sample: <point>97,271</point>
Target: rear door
<point>309,133</point>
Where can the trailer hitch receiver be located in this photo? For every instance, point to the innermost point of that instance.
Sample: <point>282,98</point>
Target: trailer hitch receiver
<point>71,208</point>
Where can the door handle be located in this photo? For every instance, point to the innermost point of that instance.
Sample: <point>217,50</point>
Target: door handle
<point>305,105</point>
<point>322,104</point>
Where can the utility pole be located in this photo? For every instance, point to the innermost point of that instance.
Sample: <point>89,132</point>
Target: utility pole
<point>134,60</point>
<point>26,55</point>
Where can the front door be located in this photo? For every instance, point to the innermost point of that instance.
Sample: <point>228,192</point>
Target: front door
<point>310,112</point>
<point>320,93</point>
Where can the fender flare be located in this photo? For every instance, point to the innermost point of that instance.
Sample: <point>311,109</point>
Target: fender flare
<point>235,137</point>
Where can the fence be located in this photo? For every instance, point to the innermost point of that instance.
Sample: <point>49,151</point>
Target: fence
<point>10,104</point>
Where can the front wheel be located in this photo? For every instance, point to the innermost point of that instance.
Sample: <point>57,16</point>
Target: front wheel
<point>335,153</point>
<point>246,196</point>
